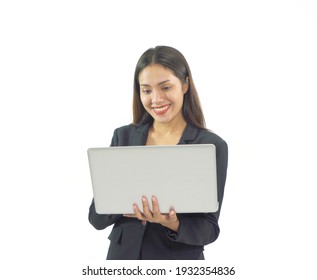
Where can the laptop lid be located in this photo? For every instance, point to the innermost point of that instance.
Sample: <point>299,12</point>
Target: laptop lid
<point>182,177</point>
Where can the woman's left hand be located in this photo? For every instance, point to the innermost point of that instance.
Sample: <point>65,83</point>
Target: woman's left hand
<point>169,220</point>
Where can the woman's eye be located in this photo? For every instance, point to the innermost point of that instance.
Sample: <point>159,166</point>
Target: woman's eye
<point>146,91</point>
<point>167,88</point>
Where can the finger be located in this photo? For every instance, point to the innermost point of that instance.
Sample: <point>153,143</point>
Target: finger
<point>172,216</point>
<point>146,210</point>
<point>156,209</point>
<point>129,215</point>
<point>137,212</point>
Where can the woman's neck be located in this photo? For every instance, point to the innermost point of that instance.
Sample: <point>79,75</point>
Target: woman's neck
<point>169,128</point>
<point>166,133</point>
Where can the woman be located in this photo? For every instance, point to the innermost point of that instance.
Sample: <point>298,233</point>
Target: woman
<point>166,111</point>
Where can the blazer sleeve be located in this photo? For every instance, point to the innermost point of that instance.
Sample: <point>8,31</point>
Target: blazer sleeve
<point>202,228</point>
<point>101,221</point>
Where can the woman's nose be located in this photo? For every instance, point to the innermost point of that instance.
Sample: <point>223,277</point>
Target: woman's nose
<point>157,96</point>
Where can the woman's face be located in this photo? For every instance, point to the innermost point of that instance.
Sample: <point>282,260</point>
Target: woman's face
<point>162,93</point>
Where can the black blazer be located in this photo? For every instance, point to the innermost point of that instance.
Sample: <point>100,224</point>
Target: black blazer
<point>131,240</point>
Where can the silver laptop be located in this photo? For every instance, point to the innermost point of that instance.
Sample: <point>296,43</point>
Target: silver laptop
<point>182,177</point>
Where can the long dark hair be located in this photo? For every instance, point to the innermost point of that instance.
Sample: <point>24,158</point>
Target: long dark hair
<point>173,60</point>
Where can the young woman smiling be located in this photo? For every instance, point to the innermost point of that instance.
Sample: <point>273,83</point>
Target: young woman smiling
<point>166,111</point>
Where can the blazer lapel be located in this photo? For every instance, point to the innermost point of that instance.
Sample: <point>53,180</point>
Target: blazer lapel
<point>189,135</point>
<point>139,136</point>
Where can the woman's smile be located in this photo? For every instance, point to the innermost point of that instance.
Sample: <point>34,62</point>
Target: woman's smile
<point>161,110</point>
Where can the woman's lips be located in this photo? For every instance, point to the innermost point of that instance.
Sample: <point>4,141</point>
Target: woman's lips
<point>161,110</point>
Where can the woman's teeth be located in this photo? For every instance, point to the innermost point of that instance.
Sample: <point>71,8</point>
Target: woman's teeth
<point>161,108</point>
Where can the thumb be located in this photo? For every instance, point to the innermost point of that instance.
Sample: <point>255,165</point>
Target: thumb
<point>172,215</point>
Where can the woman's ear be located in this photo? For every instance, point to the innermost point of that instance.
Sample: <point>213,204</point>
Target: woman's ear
<point>186,86</point>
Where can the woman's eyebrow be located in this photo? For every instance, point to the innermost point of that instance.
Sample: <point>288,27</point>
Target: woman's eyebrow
<point>160,83</point>
<point>164,82</point>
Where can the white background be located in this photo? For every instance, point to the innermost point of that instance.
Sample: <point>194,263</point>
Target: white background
<point>66,71</point>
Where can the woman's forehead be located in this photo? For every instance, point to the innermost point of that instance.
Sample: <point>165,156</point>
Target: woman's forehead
<point>156,74</point>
